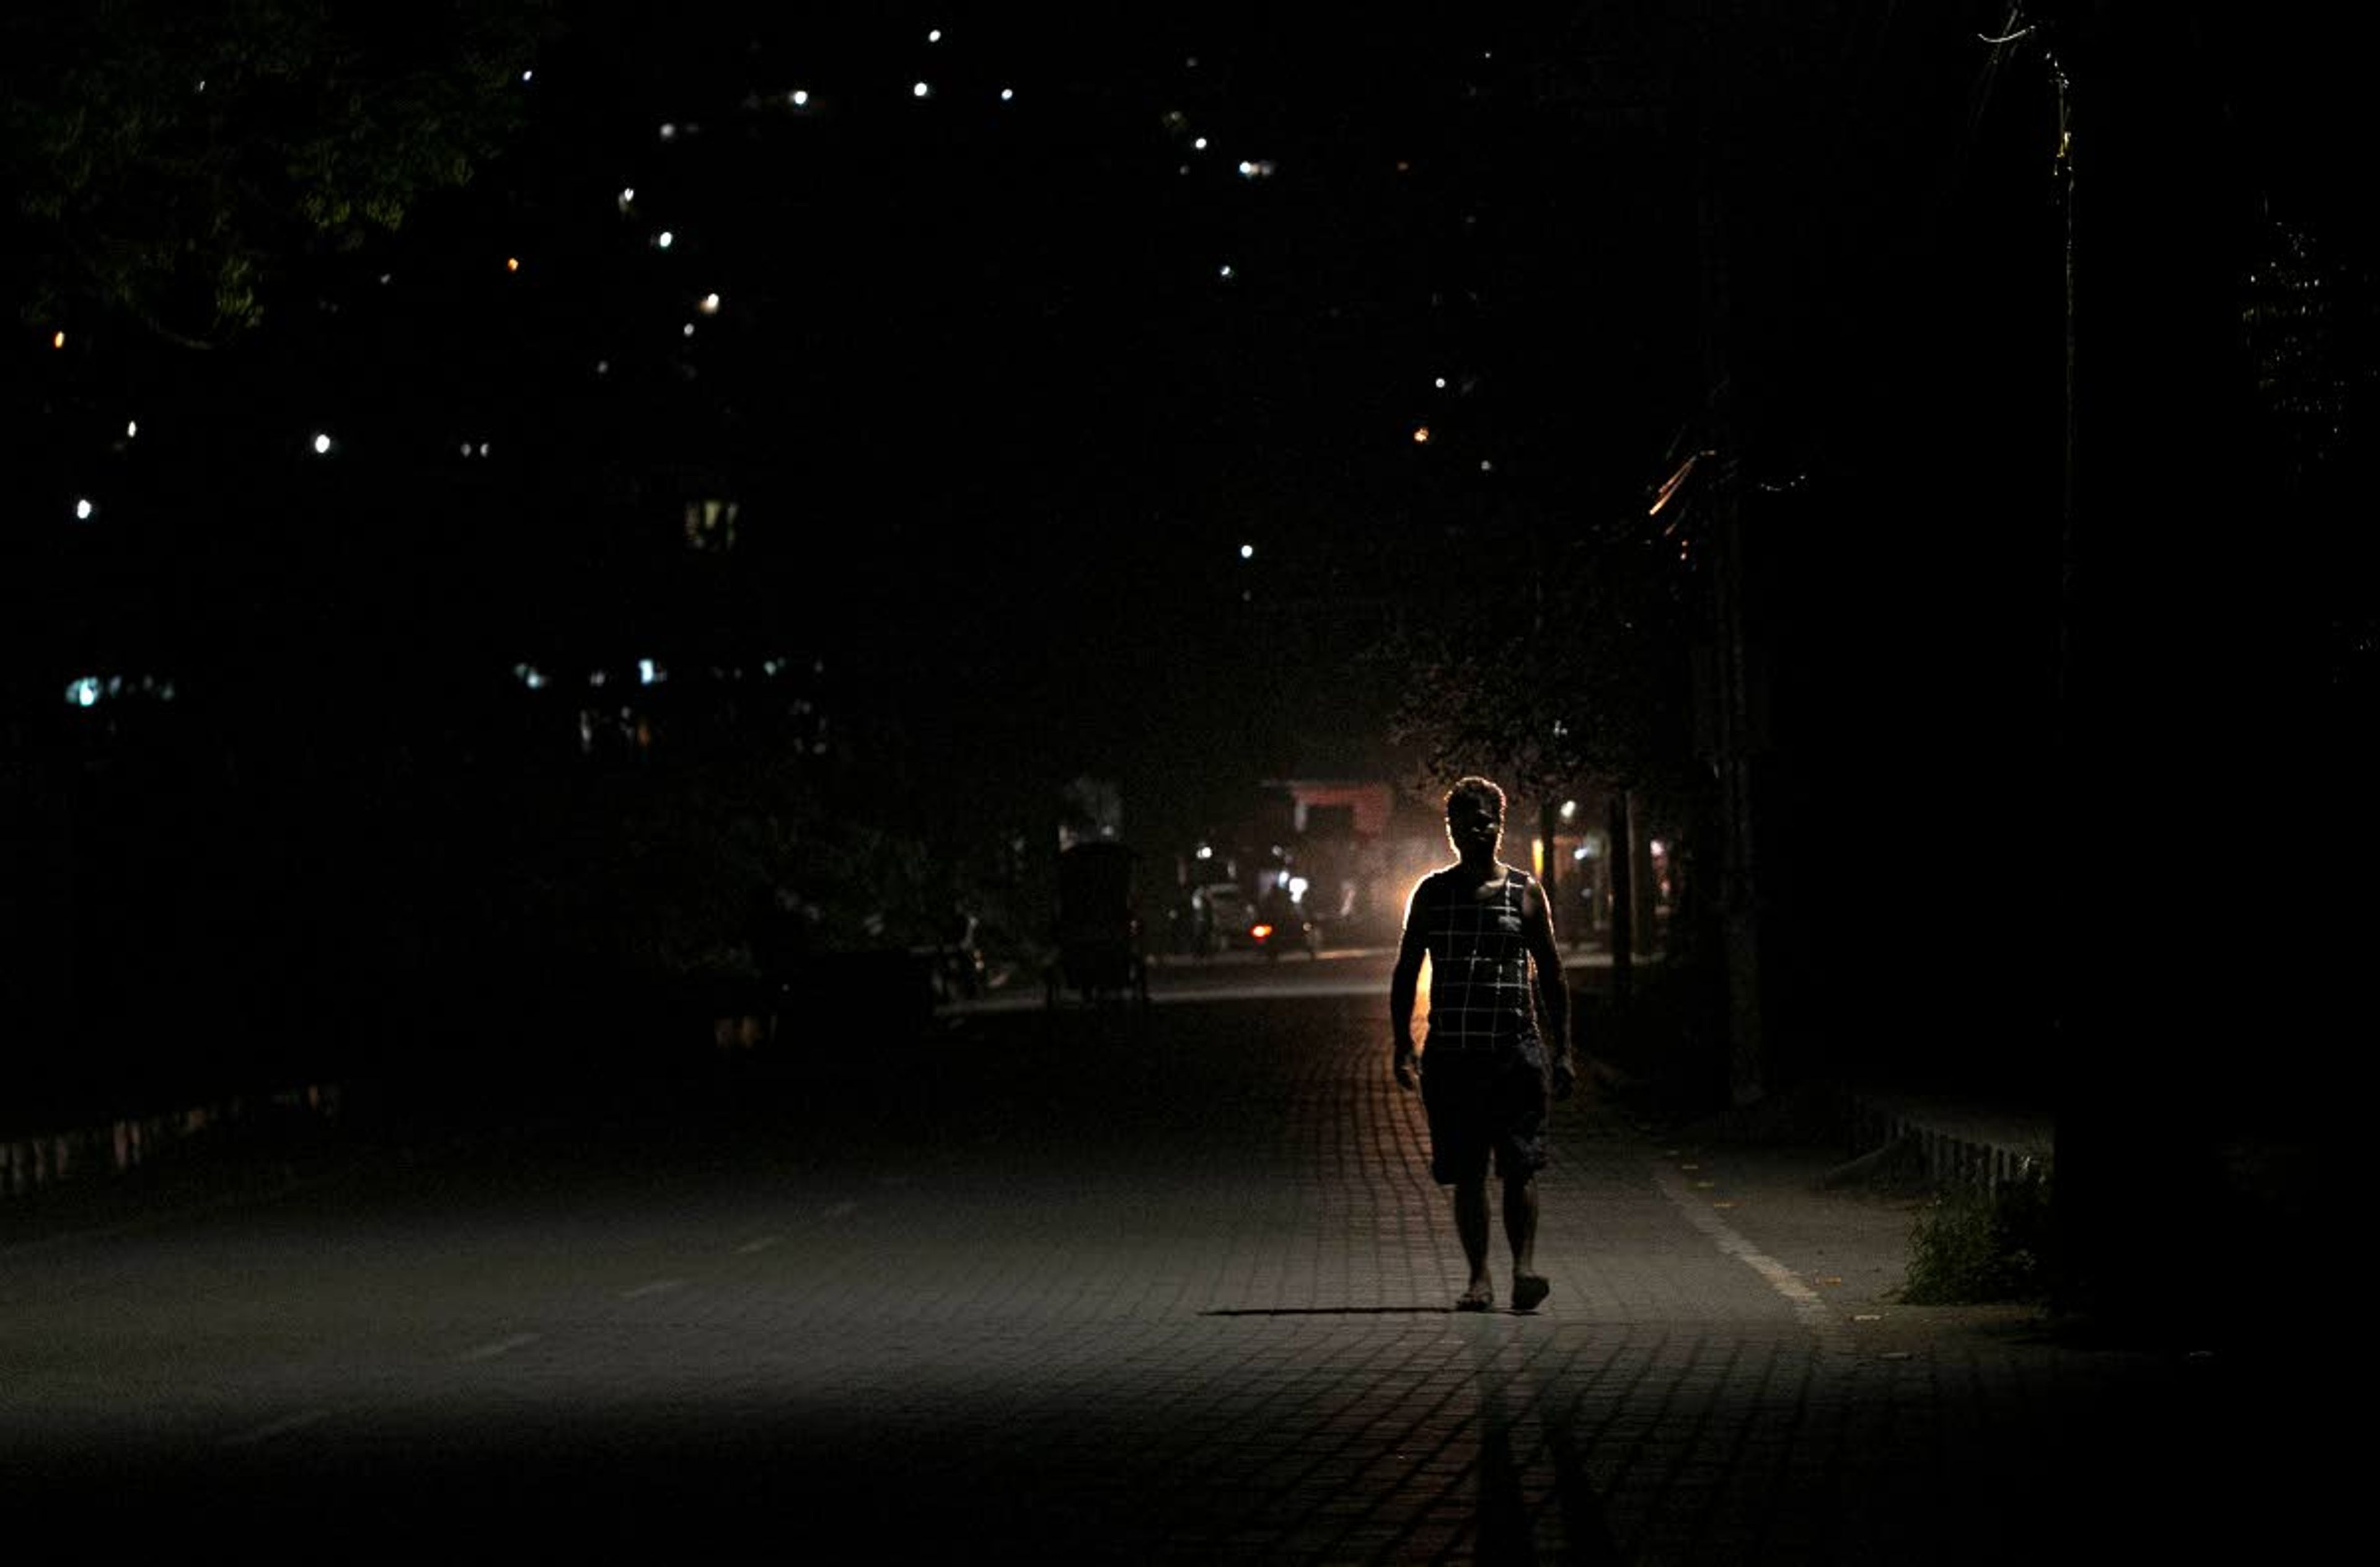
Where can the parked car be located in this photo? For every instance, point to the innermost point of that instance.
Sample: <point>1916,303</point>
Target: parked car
<point>1225,918</point>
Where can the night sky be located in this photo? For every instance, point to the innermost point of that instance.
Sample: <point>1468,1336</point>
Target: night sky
<point>1025,329</point>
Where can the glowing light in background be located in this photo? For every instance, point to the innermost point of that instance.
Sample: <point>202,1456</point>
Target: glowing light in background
<point>512,263</point>
<point>1248,552</point>
<point>665,239</point>
<point>131,428</point>
<point>83,693</point>
<point>709,305</point>
<point>920,90</point>
<point>84,510</point>
<point>322,443</point>
<point>1421,437</point>
<point>57,339</point>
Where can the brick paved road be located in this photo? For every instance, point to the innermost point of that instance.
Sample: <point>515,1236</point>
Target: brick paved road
<point>1161,1287</point>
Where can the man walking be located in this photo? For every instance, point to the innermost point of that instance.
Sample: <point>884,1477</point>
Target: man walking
<point>1485,1077</point>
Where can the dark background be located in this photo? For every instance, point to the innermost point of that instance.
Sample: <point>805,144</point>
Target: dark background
<point>997,425</point>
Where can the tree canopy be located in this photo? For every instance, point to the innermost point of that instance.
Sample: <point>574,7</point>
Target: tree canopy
<point>178,163</point>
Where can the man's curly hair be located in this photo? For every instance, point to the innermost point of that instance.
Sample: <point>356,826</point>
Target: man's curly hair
<point>1479,793</point>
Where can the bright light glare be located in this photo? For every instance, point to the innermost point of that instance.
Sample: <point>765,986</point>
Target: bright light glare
<point>1008,94</point>
<point>131,428</point>
<point>1421,437</point>
<point>801,97</point>
<point>83,693</point>
<point>57,339</point>
<point>1200,144</point>
<point>321,444</point>
<point>935,36</point>
<point>710,305</point>
<point>1248,552</point>
<point>920,89</point>
<point>648,673</point>
<point>665,239</point>
<point>512,263</point>
<point>83,510</point>
<point>1206,852</point>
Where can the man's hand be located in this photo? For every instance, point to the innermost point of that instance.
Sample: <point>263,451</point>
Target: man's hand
<point>1566,1077</point>
<point>1404,1068</point>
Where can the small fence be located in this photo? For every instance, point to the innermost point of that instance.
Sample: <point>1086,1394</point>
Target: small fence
<point>119,1145</point>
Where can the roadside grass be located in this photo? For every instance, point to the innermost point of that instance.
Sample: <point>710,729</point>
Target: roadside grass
<point>1976,1244</point>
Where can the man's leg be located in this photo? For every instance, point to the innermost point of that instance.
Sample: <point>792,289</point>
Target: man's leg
<point>1529,1286</point>
<point>1471,1223</point>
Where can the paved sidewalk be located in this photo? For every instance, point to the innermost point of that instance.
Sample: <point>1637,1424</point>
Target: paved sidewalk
<point>1161,1287</point>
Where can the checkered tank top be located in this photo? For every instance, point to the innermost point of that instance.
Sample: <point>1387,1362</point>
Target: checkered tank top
<point>1479,997</point>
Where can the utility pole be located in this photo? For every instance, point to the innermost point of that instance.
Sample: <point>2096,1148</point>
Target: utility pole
<point>2145,700</point>
<point>1731,715</point>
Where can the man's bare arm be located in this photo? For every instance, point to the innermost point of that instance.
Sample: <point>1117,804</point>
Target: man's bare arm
<point>1553,994</point>
<point>1404,985</point>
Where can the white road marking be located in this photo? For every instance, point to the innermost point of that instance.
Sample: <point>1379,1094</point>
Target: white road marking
<point>502,1346</point>
<point>763,1244</point>
<point>1803,1299</point>
<point>658,1287</point>
<point>280,1427</point>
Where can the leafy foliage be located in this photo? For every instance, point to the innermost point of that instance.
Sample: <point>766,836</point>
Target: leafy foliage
<point>176,162</point>
<point>1972,1245</point>
<point>1587,682</point>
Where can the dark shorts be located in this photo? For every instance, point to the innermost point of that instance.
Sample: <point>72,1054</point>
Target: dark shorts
<point>1483,1103</point>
